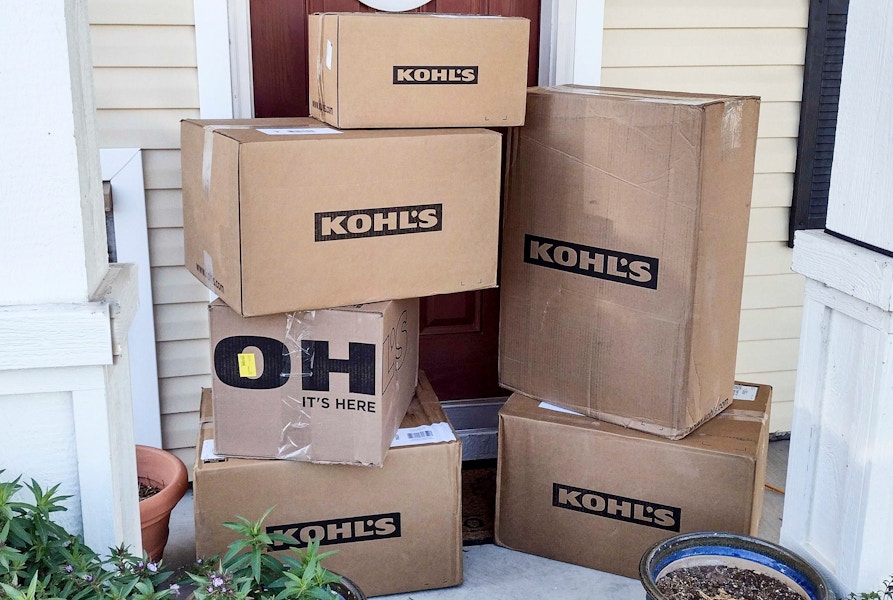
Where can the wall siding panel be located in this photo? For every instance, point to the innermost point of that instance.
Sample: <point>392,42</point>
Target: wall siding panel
<point>688,14</point>
<point>126,88</point>
<point>146,81</point>
<point>143,46</point>
<point>140,12</point>
<point>164,208</point>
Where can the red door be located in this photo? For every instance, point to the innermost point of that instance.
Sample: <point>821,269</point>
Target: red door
<point>459,332</point>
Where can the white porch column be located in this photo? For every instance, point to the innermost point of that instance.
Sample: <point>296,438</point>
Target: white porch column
<point>65,413</point>
<point>839,494</point>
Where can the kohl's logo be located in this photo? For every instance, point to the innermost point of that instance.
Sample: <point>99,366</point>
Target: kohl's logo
<point>373,222</point>
<point>338,531</point>
<point>620,508</point>
<point>408,75</point>
<point>622,267</point>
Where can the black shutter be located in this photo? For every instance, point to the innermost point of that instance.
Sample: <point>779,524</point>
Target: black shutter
<point>818,114</point>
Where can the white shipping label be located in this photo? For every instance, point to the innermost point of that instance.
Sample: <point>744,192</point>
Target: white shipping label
<point>208,452</point>
<point>548,406</point>
<point>745,392</point>
<point>423,434</point>
<point>300,131</point>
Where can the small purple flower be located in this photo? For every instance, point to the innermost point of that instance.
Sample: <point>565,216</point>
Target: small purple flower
<point>88,578</point>
<point>217,582</point>
<point>69,568</point>
<point>152,567</point>
<point>175,588</point>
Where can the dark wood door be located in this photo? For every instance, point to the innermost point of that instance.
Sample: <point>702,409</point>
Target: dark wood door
<point>459,332</point>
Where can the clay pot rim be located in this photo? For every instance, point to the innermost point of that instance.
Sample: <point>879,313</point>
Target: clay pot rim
<point>662,554</point>
<point>172,491</point>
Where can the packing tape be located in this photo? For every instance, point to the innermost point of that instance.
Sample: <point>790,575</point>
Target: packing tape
<point>207,147</point>
<point>732,123</point>
<point>743,415</point>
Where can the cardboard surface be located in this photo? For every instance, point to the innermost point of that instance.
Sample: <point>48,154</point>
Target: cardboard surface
<point>291,214</point>
<point>583,491</point>
<point>328,386</point>
<point>624,237</point>
<point>371,70</point>
<point>396,529</point>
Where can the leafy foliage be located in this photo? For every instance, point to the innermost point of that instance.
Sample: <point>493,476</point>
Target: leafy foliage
<point>885,593</point>
<point>40,560</point>
<point>248,570</point>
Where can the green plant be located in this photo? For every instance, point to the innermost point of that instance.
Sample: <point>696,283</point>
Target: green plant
<point>885,593</point>
<point>40,560</point>
<point>249,570</point>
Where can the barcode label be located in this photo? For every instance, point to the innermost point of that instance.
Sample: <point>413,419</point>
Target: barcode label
<point>745,392</point>
<point>424,434</point>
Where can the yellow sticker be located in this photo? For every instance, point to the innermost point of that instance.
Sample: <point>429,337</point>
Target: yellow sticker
<point>247,366</point>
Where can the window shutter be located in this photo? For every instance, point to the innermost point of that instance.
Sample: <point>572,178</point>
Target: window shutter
<point>818,114</point>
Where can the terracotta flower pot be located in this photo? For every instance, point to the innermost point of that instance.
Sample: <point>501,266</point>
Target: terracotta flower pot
<point>741,551</point>
<point>164,470</point>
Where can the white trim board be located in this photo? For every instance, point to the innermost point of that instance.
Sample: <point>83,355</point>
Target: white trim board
<point>123,167</point>
<point>212,53</point>
<point>571,35</point>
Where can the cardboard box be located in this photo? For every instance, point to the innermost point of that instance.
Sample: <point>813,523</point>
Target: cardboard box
<point>598,495</point>
<point>290,214</point>
<point>370,70</point>
<point>396,529</point>
<point>624,237</point>
<point>326,386</point>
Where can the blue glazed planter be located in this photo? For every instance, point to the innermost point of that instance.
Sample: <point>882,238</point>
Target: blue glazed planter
<point>711,548</point>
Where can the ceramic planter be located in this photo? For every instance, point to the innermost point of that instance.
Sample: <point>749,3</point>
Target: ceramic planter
<point>161,469</point>
<point>701,549</point>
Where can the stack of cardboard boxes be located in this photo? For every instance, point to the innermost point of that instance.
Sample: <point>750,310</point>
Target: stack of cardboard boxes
<point>622,267</point>
<point>319,235</point>
<point>623,241</point>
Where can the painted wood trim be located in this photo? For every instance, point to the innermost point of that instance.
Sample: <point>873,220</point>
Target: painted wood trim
<point>212,51</point>
<point>123,167</point>
<point>861,273</point>
<point>241,74</point>
<point>571,34</point>
<point>63,335</point>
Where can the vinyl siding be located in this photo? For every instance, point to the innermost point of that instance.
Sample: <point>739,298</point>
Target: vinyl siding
<point>728,47</point>
<point>146,81</point>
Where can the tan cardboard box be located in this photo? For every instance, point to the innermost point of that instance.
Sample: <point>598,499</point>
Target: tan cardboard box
<point>598,495</point>
<point>370,70</point>
<point>396,529</point>
<point>291,214</point>
<point>326,386</point>
<point>623,252</point>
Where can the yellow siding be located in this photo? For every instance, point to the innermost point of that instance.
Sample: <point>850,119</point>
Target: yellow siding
<point>732,47</point>
<point>146,81</point>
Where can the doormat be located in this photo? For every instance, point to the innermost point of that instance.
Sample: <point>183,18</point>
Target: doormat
<point>478,501</point>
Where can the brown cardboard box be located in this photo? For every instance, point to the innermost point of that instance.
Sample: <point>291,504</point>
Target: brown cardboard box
<point>370,70</point>
<point>595,494</point>
<point>396,529</point>
<point>623,253</point>
<point>328,386</point>
<point>290,214</point>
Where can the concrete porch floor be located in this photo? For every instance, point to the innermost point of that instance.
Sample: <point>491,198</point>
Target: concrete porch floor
<point>495,573</point>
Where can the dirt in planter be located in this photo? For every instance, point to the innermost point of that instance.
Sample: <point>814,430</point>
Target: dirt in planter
<point>723,583</point>
<point>148,488</point>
